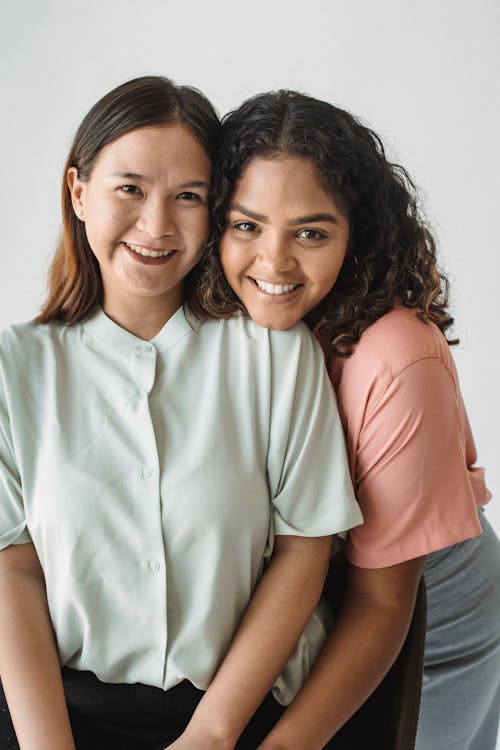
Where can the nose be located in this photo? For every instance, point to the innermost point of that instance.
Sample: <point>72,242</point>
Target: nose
<point>276,255</point>
<point>157,218</point>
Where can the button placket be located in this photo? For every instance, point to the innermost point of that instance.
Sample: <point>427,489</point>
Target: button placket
<point>146,366</point>
<point>153,567</point>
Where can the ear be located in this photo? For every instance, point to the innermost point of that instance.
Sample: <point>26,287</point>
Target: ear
<point>77,190</point>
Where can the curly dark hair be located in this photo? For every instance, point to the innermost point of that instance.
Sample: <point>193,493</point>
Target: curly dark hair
<point>391,257</point>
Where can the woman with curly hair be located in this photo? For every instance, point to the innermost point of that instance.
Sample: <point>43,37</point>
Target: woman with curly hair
<point>314,222</point>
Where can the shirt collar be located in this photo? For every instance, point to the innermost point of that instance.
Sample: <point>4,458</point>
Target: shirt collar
<point>102,328</point>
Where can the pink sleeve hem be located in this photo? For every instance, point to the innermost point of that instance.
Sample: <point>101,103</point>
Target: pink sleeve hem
<point>427,543</point>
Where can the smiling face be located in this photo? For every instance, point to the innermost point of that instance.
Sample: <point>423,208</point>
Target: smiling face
<point>146,217</point>
<point>284,242</point>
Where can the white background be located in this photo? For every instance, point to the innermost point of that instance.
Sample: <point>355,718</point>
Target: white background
<point>423,74</point>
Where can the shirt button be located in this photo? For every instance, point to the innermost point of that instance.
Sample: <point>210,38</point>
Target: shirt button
<point>154,566</point>
<point>147,473</point>
<point>146,348</point>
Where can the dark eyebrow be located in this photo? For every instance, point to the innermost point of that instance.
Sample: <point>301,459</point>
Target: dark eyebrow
<point>140,177</point>
<point>293,222</point>
<point>247,212</point>
<point>130,176</point>
<point>312,218</point>
<point>196,183</point>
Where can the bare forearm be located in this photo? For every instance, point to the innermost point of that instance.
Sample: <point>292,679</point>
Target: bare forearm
<point>361,649</point>
<point>29,665</point>
<point>355,659</point>
<point>278,612</point>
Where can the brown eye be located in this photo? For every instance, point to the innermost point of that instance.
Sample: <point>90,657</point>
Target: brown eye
<point>245,226</point>
<point>187,195</point>
<point>311,234</point>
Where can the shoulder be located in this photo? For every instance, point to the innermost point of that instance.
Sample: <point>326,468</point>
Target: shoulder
<point>393,343</point>
<point>281,363</point>
<point>31,331</point>
<point>398,348</point>
<point>241,328</point>
<point>398,339</point>
<point>20,336</point>
<point>31,342</point>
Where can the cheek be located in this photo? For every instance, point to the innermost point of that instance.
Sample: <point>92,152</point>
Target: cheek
<point>226,257</point>
<point>195,227</point>
<point>327,270</point>
<point>322,280</point>
<point>330,277</point>
<point>234,258</point>
<point>104,220</point>
<point>201,220</point>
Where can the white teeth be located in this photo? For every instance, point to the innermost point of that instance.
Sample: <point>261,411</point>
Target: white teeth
<point>148,253</point>
<point>275,288</point>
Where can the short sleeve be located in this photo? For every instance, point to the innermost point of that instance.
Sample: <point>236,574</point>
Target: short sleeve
<point>309,474</point>
<point>12,518</point>
<point>411,474</point>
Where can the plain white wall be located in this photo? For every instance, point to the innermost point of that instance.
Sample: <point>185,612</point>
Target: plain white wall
<point>424,75</point>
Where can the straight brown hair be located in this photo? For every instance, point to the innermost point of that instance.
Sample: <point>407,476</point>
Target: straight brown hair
<point>74,281</point>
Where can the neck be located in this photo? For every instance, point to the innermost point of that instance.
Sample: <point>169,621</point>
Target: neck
<point>143,317</point>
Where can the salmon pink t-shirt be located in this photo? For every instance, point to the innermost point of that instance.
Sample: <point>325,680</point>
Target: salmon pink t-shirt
<point>410,445</point>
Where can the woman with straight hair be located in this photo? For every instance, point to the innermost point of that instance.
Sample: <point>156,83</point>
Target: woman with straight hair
<point>168,487</point>
<point>313,222</point>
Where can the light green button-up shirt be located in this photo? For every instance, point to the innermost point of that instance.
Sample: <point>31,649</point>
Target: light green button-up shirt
<point>151,477</point>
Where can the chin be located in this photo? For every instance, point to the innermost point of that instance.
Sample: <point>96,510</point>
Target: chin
<point>276,324</point>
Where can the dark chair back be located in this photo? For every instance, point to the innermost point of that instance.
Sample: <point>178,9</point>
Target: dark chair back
<point>388,719</point>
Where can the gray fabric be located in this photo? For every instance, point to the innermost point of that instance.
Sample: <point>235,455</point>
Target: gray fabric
<point>461,689</point>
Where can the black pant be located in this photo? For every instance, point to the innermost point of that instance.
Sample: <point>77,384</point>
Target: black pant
<point>134,717</point>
